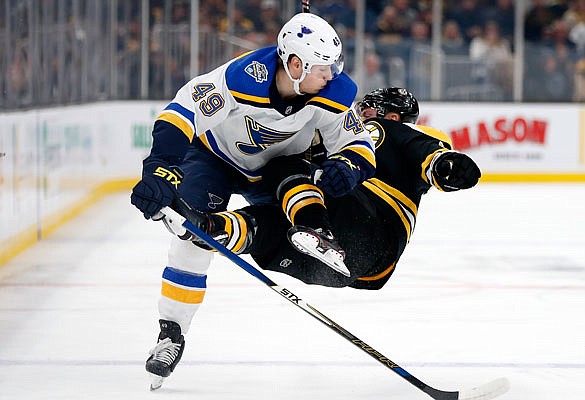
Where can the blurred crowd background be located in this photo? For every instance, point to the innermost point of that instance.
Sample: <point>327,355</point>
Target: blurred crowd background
<point>58,52</point>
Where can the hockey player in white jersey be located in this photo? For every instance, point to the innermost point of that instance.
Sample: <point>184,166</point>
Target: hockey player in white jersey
<point>218,132</point>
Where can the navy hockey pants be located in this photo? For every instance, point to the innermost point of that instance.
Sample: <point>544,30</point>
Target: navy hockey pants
<point>209,182</point>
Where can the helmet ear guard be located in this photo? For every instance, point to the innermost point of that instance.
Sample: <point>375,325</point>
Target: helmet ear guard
<point>393,99</point>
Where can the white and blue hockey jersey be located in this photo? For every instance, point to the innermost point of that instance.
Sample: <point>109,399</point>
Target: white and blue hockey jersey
<point>237,113</point>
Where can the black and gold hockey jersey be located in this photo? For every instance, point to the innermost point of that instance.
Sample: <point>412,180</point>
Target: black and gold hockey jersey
<point>373,223</point>
<point>403,154</point>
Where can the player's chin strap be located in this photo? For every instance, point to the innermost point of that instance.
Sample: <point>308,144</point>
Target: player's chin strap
<point>483,392</point>
<point>296,82</point>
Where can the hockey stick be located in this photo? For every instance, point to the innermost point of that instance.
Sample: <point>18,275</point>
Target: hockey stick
<point>483,392</point>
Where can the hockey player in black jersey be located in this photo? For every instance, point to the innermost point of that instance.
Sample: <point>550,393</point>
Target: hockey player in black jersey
<point>374,222</point>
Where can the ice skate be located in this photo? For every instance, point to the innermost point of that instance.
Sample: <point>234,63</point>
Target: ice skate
<point>166,354</point>
<point>320,244</point>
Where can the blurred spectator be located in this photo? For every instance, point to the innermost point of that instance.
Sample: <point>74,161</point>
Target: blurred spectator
<point>395,21</point>
<point>493,56</point>
<point>452,41</point>
<point>559,58</point>
<point>269,21</point>
<point>129,60</point>
<point>538,18</point>
<point>269,13</point>
<point>419,62</point>
<point>19,72</point>
<point>179,14</point>
<point>579,80</point>
<point>252,10</point>
<point>575,20</point>
<point>575,14</point>
<point>577,36</point>
<point>215,10</point>
<point>240,25</point>
<point>408,14</point>
<point>490,45</point>
<point>332,12</point>
<point>419,33</point>
<point>425,11</point>
<point>345,20</point>
<point>374,78</point>
<point>558,73</point>
<point>557,34</point>
<point>469,16</point>
<point>388,27</point>
<point>503,13</point>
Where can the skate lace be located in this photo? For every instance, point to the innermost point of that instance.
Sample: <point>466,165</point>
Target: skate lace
<point>165,351</point>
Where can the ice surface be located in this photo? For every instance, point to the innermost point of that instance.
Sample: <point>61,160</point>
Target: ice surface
<point>492,284</point>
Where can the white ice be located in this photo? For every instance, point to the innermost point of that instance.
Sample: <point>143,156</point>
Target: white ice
<point>492,285</point>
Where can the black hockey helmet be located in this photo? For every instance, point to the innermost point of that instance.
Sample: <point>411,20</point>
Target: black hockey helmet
<point>392,99</point>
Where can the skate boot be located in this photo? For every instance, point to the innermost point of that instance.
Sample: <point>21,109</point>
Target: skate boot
<point>166,354</point>
<point>320,244</point>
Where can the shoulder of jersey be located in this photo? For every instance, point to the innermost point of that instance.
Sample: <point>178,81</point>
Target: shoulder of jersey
<point>434,133</point>
<point>248,77</point>
<point>337,96</point>
<point>379,128</point>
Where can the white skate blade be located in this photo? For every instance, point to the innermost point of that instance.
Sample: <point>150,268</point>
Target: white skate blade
<point>156,382</point>
<point>488,391</point>
<point>307,243</point>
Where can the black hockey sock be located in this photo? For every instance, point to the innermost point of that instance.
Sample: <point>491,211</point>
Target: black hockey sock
<point>303,202</point>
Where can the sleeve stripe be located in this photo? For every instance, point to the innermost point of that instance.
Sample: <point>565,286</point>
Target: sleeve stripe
<point>330,103</point>
<point>395,193</point>
<point>407,222</point>
<point>188,114</point>
<point>248,97</point>
<point>434,133</point>
<point>364,151</point>
<point>178,120</point>
<point>427,173</point>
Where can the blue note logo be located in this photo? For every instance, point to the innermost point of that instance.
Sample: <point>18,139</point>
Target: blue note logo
<point>261,137</point>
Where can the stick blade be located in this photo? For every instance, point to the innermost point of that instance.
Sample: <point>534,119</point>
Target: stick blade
<point>484,392</point>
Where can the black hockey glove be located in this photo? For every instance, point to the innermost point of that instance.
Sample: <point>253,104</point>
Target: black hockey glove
<point>339,175</point>
<point>157,189</point>
<point>453,171</point>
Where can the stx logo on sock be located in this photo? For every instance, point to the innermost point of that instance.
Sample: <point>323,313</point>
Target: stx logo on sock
<point>174,177</point>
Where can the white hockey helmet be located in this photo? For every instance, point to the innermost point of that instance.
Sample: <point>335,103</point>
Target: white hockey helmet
<point>314,41</point>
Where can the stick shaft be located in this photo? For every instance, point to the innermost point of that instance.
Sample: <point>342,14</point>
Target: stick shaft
<point>290,296</point>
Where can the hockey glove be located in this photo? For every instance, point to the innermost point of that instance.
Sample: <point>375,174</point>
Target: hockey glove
<point>237,237</point>
<point>453,171</point>
<point>157,189</point>
<point>339,175</point>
